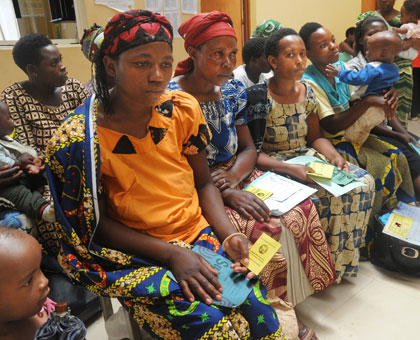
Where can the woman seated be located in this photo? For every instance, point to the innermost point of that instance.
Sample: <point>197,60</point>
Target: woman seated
<point>130,164</point>
<point>386,163</point>
<point>282,116</point>
<point>398,135</point>
<point>39,104</point>
<point>211,43</point>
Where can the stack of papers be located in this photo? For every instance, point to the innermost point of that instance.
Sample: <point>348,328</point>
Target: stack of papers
<point>327,184</point>
<point>404,223</point>
<point>280,194</point>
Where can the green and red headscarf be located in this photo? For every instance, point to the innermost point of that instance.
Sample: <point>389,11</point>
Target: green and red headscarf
<point>201,28</point>
<point>133,28</point>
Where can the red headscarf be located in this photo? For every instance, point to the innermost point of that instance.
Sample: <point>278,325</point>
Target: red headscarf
<point>201,28</point>
<point>132,28</point>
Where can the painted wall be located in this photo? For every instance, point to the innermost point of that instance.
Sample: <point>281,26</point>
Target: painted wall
<point>77,65</point>
<point>337,15</point>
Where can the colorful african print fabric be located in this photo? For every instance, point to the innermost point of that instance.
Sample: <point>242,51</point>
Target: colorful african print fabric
<point>312,250</point>
<point>404,85</point>
<point>280,131</point>
<point>385,162</point>
<point>154,300</point>
<point>222,115</point>
<point>35,124</point>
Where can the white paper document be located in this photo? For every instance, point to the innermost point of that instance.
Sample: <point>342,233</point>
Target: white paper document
<point>327,184</point>
<point>285,193</point>
<point>189,6</point>
<point>118,5</point>
<point>153,5</point>
<point>404,223</point>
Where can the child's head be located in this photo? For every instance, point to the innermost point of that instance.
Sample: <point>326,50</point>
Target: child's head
<point>254,56</point>
<point>23,286</point>
<point>6,122</point>
<point>383,46</point>
<point>350,34</point>
<point>410,11</point>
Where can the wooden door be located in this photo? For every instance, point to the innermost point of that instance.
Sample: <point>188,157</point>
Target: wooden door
<point>238,11</point>
<point>368,5</point>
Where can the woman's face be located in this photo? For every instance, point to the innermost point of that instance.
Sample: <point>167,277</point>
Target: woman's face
<point>371,29</point>
<point>323,48</point>
<point>51,71</point>
<point>290,62</point>
<point>385,5</point>
<point>141,73</point>
<point>215,59</point>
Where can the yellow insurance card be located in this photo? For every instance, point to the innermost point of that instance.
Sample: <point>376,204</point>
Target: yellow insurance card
<point>321,170</point>
<point>260,193</point>
<point>399,225</point>
<point>261,253</point>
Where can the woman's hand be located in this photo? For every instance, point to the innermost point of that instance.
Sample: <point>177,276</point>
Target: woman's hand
<point>223,179</point>
<point>9,175</point>
<point>299,173</point>
<point>247,204</point>
<point>340,163</point>
<point>406,138</point>
<point>381,102</point>
<point>195,274</point>
<point>237,248</point>
<point>391,97</point>
<point>406,44</point>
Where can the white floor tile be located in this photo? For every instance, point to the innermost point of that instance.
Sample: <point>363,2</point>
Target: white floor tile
<point>378,304</point>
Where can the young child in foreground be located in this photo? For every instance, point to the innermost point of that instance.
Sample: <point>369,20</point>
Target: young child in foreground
<point>23,286</point>
<point>14,154</point>
<point>379,74</point>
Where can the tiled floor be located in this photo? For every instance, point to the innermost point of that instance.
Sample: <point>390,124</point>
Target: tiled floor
<point>377,304</point>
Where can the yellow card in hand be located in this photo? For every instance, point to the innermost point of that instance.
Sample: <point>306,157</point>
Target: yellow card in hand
<point>399,225</point>
<point>321,170</point>
<point>260,193</point>
<point>261,253</point>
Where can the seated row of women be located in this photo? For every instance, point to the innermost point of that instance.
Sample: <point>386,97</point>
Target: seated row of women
<point>142,170</point>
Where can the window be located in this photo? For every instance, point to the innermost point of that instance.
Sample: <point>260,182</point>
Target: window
<point>60,20</point>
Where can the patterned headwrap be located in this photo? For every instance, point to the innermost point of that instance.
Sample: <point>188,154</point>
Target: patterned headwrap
<point>201,28</point>
<point>267,27</point>
<point>133,28</point>
<point>92,40</point>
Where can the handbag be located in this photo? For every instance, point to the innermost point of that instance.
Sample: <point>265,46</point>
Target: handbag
<point>394,254</point>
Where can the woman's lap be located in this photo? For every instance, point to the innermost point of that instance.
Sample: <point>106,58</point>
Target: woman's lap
<point>387,165</point>
<point>412,156</point>
<point>157,302</point>
<point>344,220</point>
<point>303,222</point>
<point>174,318</point>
